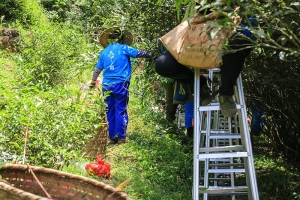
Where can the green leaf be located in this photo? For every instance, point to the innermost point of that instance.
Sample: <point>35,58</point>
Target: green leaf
<point>259,50</point>
<point>16,144</point>
<point>2,164</point>
<point>282,39</point>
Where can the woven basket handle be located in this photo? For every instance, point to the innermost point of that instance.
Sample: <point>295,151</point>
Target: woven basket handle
<point>37,180</point>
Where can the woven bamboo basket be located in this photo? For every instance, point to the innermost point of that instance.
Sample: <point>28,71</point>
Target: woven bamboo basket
<point>97,145</point>
<point>24,182</point>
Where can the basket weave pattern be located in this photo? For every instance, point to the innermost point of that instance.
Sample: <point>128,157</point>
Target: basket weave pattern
<point>97,145</point>
<point>19,184</point>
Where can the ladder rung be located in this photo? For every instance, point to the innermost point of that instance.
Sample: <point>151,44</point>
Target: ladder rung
<point>226,171</point>
<point>214,189</point>
<point>222,155</point>
<point>226,164</point>
<point>222,148</point>
<point>218,160</point>
<point>228,194</point>
<point>224,141</point>
<point>217,179</point>
<point>225,136</point>
<point>214,131</point>
<point>214,107</point>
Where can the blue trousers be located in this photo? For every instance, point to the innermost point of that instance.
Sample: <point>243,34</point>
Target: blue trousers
<point>116,112</point>
<point>188,114</point>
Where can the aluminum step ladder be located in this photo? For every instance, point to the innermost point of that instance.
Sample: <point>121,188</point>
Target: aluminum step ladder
<point>223,159</point>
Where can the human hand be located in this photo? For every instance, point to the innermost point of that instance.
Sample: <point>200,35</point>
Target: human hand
<point>149,58</point>
<point>92,84</point>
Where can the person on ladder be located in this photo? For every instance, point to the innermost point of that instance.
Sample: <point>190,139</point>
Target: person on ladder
<point>231,67</point>
<point>167,66</point>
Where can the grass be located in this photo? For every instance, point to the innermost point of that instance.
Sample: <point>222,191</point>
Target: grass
<point>159,161</point>
<point>277,177</point>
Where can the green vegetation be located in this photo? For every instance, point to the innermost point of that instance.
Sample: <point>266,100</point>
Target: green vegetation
<point>41,87</point>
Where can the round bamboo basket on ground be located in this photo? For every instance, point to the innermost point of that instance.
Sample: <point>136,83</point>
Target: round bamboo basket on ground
<point>24,182</point>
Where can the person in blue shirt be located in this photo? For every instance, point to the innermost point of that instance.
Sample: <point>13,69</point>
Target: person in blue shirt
<point>114,61</point>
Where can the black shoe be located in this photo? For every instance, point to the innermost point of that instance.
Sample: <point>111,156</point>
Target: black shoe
<point>123,140</point>
<point>190,132</point>
<point>227,105</point>
<point>113,142</point>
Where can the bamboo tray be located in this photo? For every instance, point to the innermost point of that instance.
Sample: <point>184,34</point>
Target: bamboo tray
<point>24,182</point>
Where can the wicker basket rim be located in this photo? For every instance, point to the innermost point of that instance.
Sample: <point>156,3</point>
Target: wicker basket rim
<point>12,190</point>
<point>53,171</point>
<point>57,173</point>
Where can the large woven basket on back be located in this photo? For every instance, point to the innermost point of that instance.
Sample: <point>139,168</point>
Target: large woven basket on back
<point>23,182</point>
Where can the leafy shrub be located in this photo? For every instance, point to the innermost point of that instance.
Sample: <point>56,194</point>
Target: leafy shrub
<point>60,118</point>
<point>50,55</point>
<point>11,9</point>
<point>60,122</point>
<point>24,11</point>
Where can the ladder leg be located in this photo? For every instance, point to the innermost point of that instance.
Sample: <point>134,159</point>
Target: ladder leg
<point>197,134</point>
<point>251,179</point>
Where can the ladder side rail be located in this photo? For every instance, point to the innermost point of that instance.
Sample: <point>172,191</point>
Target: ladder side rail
<point>207,138</point>
<point>247,142</point>
<point>197,133</point>
<point>201,170</point>
<point>239,95</point>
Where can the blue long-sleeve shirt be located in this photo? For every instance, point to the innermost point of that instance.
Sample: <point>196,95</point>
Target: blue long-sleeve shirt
<point>114,60</point>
